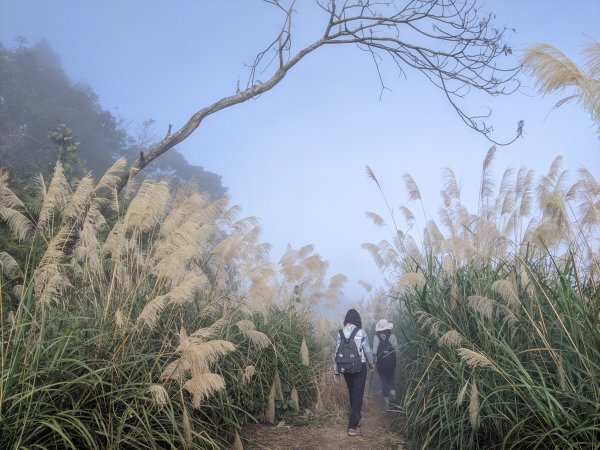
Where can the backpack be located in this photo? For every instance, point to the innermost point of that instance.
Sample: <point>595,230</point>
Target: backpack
<point>347,356</point>
<point>386,356</point>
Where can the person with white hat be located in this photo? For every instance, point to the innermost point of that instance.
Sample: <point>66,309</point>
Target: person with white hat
<point>384,351</point>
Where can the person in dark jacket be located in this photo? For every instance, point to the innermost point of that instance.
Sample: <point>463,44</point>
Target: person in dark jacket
<point>384,349</point>
<point>355,381</point>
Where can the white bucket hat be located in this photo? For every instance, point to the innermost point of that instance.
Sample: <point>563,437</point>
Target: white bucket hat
<point>383,325</point>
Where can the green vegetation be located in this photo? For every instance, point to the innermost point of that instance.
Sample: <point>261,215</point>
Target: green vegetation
<point>133,325</point>
<point>500,315</point>
<point>45,117</point>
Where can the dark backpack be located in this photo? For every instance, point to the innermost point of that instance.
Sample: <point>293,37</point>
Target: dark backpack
<point>386,356</point>
<point>347,357</point>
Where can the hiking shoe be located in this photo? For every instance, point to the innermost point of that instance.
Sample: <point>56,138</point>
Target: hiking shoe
<point>354,431</point>
<point>386,403</point>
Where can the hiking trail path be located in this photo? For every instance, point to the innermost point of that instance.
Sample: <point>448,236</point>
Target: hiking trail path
<point>380,431</point>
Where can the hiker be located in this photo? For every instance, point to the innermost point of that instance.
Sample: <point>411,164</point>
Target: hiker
<point>384,349</point>
<point>353,355</point>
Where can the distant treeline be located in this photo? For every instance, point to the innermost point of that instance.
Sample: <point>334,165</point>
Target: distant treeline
<point>45,117</point>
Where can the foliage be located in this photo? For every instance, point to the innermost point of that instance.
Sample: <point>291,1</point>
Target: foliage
<point>45,117</point>
<point>37,98</point>
<point>500,314</point>
<point>131,330</point>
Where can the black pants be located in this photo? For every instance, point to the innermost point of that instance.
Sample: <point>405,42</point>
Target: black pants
<point>356,390</point>
<point>386,376</point>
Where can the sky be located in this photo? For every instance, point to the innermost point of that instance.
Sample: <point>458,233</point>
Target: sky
<point>296,156</point>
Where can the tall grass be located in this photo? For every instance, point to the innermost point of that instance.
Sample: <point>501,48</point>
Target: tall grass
<point>135,322</point>
<point>500,315</point>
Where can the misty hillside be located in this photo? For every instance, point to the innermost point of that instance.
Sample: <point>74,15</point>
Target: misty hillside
<point>45,117</point>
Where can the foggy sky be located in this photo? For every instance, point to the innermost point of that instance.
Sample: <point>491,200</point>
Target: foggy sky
<point>296,156</point>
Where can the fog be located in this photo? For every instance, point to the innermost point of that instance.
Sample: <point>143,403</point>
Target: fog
<point>295,156</point>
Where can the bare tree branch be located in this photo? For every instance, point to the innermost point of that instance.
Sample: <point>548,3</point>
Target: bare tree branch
<point>449,41</point>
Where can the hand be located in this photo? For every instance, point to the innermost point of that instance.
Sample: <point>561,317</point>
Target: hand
<point>372,367</point>
<point>336,377</point>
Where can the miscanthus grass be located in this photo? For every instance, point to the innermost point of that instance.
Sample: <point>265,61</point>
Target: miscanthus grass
<point>498,314</point>
<point>150,320</point>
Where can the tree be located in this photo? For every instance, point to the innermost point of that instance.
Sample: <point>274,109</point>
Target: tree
<point>451,42</point>
<point>44,117</point>
<point>37,98</point>
<point>555,73</point>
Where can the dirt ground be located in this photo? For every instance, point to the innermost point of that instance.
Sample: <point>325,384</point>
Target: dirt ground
<point>330,433</point>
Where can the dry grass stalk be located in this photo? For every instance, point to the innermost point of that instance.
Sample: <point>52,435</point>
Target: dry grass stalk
<point>237,443</point>
<point>159,395</point>
<point>304,356</point>
<point>277,384</point>
<point>187,425</point>
<point>474,405</point>
<point>270,408</point>
<point>203,385</point>
<point>294,397</point>
<point>120,319</point>
<point>461,394</point>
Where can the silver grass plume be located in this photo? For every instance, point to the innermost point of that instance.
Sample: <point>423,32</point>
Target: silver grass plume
<point>159,395</point>
<point>55,197</point>
<point>187,424</point>
<point>237,443</point>
<point>148,207</point>
<point>461,394</point>
<point>9,267</point>
<point>81,197</point>
<point>451,338</point>
<point>17,222</point>
<point>151,312</point>
<point>482,305</point>
<point>247,374</point>
<point>474,359</point>
<point>257,338</point>
<point>376,219</point>
<point>411,187</point>
<point>203,385</point>
<point>304,356</point>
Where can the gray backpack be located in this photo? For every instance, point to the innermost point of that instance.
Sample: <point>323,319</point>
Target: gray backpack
<point>347,356</point>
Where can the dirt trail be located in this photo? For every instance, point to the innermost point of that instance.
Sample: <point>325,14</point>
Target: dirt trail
<point>377,427</point>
